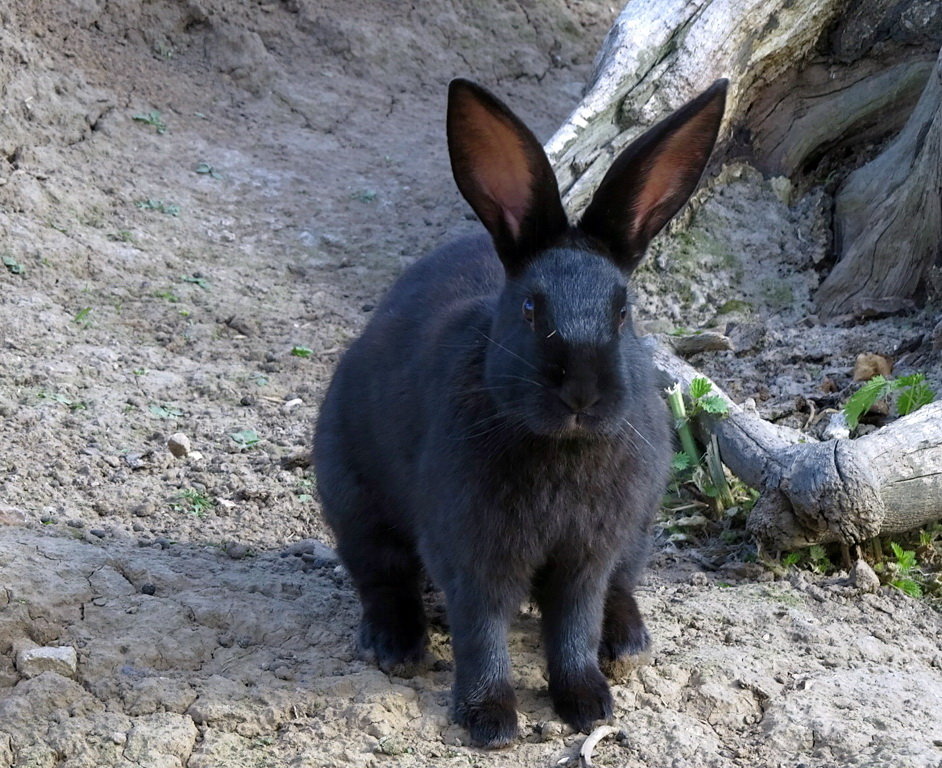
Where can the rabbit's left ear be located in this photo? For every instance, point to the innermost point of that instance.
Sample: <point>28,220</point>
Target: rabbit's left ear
<point>503,173</point>
<point>653,177</point>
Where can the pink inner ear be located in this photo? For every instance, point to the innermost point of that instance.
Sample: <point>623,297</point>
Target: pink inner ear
<point>670,169</point>
<point>500,166</point>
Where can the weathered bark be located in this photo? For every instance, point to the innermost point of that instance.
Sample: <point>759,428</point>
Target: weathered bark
<point>839,490</point>
<point>660,53</point>
<point>857,87</point>
<point>888,215</point>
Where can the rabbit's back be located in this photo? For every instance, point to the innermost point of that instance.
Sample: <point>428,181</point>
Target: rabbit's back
<point>375,415</point>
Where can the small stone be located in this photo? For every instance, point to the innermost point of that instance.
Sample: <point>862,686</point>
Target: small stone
<point>76,523</point>
<point>699,579</point>
<point>836,427</point>
<point>863,577</point>
<point>549,729</point>
<point>59,659</point>
<point>236,551</point>
<point>12,516</point>
<point>867,365</point>
<point>148,589</point>
<point>119,738</point>
<point>248,400</point>
<point>99,532</point>
<point>179,445</point>
<point>145,509</point>
<point>290,405</point>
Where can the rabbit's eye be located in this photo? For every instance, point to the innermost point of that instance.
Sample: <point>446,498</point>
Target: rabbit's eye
<point>622,315</point>
<point>528,310</point>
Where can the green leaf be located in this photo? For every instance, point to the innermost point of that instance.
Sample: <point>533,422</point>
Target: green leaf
<point>13,266</point>
<point>301,351</point>
<point>897,550</point>
<point>792,558</point>
<point>863,399</point>
<point>700,387</point>
<point>164,411</point>
<point>246,438</point>
<point>908,586</point>
<point>680,462</point>
<point>914,393</point>
<point>713,404</point>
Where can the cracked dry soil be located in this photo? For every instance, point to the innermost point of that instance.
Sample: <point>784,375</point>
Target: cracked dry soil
<point>158,271</point>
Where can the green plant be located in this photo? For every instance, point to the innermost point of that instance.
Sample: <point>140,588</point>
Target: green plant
<point>82,317</point>
<point>705,470</point>
<point>72,405</point>
<point>152,118</point>
<point>245,438</point>
<point>152,204</point>
<point>902,569</point>
<point>701,401</point>
<point>814,557</point>
<point>193,502</point>
<point>205,169</point>
<point>298,351</point>
<point>164,411</point>
<point>196,280</point>
<point>911,392</point>
<point>363,195</point>
<point>13,266</point>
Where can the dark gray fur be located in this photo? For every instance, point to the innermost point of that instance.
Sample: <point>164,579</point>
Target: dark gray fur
<point>504,453</point>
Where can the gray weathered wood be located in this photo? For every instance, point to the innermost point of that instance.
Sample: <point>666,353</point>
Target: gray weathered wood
<point>659,53</point>
<point>838,490</point>
<point>888,214</point>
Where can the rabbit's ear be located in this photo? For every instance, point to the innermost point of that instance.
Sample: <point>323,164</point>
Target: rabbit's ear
<point>653,177</point>
<point>503,173</point>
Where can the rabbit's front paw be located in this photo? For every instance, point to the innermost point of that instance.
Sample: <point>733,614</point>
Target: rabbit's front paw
<point>492,722</point>
<point>399,653</point>
<point>583,701</point>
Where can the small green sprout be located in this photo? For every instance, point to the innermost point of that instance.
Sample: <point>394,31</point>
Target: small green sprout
<point>152,118</point>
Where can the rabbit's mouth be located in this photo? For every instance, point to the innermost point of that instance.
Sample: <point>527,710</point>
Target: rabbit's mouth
<point>571,425</point>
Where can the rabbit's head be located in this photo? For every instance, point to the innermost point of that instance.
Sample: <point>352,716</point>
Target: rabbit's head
<point>562,357</point>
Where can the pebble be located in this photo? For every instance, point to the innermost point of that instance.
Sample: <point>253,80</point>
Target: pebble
<point>863,577</point>
<point>99,532</point>
<point>148,589</point>
<point>236,551</point>
<point>549,729</point>
<point>59,659</point>
<point>179,445</point>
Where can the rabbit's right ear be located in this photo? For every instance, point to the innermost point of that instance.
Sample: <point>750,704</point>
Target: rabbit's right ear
<point>503,173</point>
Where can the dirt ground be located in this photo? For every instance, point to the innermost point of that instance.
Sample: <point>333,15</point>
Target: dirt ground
<point>200,204</point>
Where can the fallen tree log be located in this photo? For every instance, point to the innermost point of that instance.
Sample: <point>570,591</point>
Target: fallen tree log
<point>814,492</point>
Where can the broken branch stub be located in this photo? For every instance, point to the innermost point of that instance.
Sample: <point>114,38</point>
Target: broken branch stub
<point>815,492</point>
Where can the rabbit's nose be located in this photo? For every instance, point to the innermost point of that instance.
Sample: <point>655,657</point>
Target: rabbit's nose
<point>579,396</point>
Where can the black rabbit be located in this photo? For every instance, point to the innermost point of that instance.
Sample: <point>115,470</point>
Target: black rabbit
<point>497,424</point>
